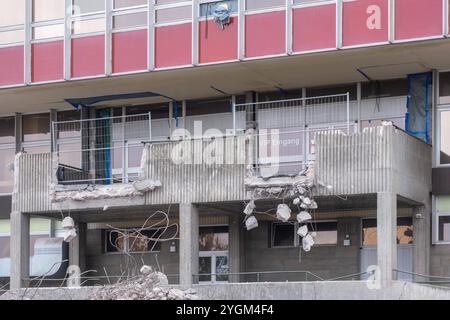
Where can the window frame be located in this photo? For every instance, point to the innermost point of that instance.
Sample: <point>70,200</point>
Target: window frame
<point>435,224</point>
<point>126,249</point>
<point>297,238</point>
<point>439,111</point>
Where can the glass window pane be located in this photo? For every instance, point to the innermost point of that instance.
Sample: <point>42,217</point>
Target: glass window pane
<point>444,228</point>
<point>4,246</point>
<point>70,154</point>
<point>173,14</point>
<point>326,233</point>
<point>45,10</point>
<point>12,12</point>
<point>128,3</point>
<point>205,269</point>
<point>443,204</point>
<point>445,137</point>
<point>36,127</point>
<point>222,268</point>
<point>12,36</point>
<point>71,126</point>
<point>283,235</point>
<point>130,20</point>
<point>7,130</point>
<point>207,9</point>
<point>143,241</point>
<point>444,84</point>
<point>88,26</point>
<point>214,238</point>
<point>7,170</point>
<point>53,31</point>
<point>86,6</point>
<point>262,4</point>
<point>160,2</point>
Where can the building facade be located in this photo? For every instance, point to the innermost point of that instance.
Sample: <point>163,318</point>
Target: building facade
<point>175,133</point>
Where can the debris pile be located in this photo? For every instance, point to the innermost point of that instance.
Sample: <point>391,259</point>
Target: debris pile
<point>149,285</point>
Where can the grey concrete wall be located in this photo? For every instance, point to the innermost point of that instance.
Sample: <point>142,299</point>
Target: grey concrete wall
<point>324,261</point>
<point>378,159</point>
<point>115,263</point>
<point>350,290</point>
<point>440,260</point>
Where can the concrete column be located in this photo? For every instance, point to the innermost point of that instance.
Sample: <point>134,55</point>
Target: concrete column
<point>77,254</point>
<point>20,250</point>
<point>422,239</point>
<point>235,232</point>
<point>189,229</point>
<point>386,236</point>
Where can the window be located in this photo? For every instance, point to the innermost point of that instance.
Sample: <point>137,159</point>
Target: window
<point>88,17</point>
<point>48,19</point>
<point>214,238</point>
<point>206,9</point>
<point>131,241</point>
<point>444,136</point>
<point>405,233</point>
<point>443,219</point>
<point>264,4</point>
<point>88,6</point>
<point>12,21</point>
<point>129,14</point>
<point>69,138</point>
<point>444,84</point>
<point>173,14</point>
<point>36,133</point>
<point>119,4</point>
<point>285,234</point>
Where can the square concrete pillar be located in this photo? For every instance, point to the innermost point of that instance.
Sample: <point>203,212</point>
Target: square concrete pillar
<point>422,239</point>
<point>77,254</point>
<point>20,250</point>
<point>386,236</point>
<point>189,255</point>
<point>235,231</point>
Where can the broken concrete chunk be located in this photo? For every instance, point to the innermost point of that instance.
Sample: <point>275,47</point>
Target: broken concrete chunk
<point>70,234</point>
<point>251,223</point>
<point>250,208</point>
<point>296,201</point>
<point>302,231</point>
<point>283,213</point>
<point>303,217</point>
<point>146,185</point>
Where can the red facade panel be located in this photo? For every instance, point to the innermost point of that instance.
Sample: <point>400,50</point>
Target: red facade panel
<point>173,45</point>
<point>314,28</point>
<point>11,65</point>
<point>47,61</point>
<point>265,34</point>
<point>365,22</point>
<point>88,56</point>
<point>129,51</point>
<point>418,19</point>
<point>216,44</point>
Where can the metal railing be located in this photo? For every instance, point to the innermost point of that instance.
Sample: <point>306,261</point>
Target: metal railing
<point>421,278</point>
<point>102,150</point>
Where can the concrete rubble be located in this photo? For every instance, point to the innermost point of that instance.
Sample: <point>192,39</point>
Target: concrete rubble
<point>149,285</point>
<point>97,192</point>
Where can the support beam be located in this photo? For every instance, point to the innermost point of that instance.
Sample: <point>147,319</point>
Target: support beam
<point>20,250</point>
<point>77,255</point>
<point>386,236</point>
<point>189,229</point>
<point>235,230</point>
<point>422,239</point>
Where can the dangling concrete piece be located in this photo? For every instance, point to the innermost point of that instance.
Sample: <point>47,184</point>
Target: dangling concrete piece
<point>283,213</point>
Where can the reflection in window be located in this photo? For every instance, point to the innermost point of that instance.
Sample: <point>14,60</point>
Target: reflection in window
<point>214,238</point>
<point>7,170</point>
<point>12,36</point>
<point>444,228</point>
<point>173,14</point>
<point>326,233</point>
<point>444,134</point>
<point>87,6</point>
<point>36,127</point>
<point>128,3</point>
<point>405,234</point>
<point>7,130</point>
<point>264,4</point>
<point>45,32</point>
<point>12,17</point>
<point>124,21</point>
<point>88,26</point>
<point>46,10</point>
<point>207,9</point>
<point>131,241</point>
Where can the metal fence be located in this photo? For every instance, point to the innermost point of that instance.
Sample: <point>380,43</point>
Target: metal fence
<point>102,150</point>
<point>284,130</point>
